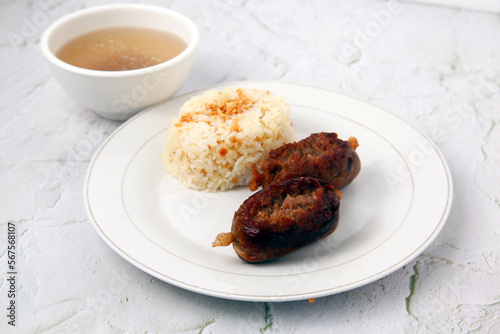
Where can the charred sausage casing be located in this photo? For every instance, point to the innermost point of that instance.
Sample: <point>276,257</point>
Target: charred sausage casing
<point>282,218</point>
<point>321,155</point>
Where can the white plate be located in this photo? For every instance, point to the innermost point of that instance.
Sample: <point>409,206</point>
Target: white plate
<point>389,214</point>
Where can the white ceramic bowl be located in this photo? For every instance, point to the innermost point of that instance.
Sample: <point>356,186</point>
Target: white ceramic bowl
<point>118,95</point>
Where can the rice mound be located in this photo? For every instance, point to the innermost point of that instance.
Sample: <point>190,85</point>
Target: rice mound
<point>220,134</point>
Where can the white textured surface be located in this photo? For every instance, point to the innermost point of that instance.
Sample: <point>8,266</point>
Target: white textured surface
<point>482,5</point>
<point>438,67</point>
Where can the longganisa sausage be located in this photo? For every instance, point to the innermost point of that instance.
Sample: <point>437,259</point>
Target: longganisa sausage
<point>282,218</point>
<point>321,155</point>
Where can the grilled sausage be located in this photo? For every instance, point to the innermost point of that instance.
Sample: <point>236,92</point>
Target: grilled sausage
<point>283,218</point>
<point>321,155</point>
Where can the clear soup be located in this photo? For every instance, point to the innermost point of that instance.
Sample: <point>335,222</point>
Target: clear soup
<point>121,49</point>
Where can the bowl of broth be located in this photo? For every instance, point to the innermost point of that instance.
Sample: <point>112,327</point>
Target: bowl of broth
<point>119,59</point>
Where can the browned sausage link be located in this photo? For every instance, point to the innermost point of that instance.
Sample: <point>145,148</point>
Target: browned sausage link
<point>321,155</point>
<point>283,218</point>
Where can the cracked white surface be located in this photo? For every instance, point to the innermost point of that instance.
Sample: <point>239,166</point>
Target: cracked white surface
<point>438,67</point>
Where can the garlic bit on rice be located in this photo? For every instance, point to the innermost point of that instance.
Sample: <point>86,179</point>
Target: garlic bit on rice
<point>220,134</point>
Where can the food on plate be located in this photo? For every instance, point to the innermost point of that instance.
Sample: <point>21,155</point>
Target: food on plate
<point>321,155</point>
<point>282,218</point>
<point>220,134</point>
